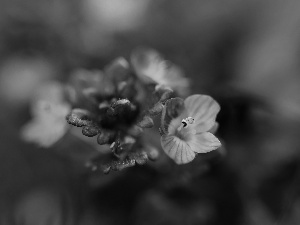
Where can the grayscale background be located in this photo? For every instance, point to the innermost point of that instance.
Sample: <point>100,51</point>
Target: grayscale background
<point>244,53</point>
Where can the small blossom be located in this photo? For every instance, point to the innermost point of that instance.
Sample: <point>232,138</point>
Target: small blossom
<point>150,67</point>
<point>49,111</point>
<point>186,126</point>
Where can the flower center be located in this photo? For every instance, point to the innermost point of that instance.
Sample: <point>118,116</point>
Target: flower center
<point>186,122</point>
<point>185,130</point>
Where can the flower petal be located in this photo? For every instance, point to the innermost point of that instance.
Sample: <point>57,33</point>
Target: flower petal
<point>177,149</point>
<point>214,128</point>
<point>172,113</point>
<point>204,142</point>
<point>203,109</point>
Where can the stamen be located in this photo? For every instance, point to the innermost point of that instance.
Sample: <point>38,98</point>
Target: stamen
<point>188,120</point>
<point>185,122</point>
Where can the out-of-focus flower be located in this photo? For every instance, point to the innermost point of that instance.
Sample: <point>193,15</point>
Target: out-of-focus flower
<point>186,126</point>
<point>49,110</point>
<point>150,67</point>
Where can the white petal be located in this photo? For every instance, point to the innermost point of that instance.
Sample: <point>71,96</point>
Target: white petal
<point>177,149</point>
<point>214,128</point>
<point>204,142</point>
<point>203,109</point>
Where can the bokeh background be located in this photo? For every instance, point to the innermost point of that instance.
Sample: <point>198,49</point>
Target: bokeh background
<point>244,53</point>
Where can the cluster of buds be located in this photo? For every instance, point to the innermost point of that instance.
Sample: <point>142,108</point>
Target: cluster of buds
<point>116,106</point>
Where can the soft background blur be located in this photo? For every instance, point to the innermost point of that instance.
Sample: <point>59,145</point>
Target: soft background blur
<point>245,53</point>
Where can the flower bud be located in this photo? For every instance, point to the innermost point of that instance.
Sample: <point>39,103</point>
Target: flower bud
<point>135,131</point>
<point>146,122</point>
<point>157,108</point>
<point>121,112</point>
<point>118,165</point>
<point>118,107</point>
<point>79,117</point>
<point>140,157</point>
<point>164,92</point>
<point>90,131</point>
<point>103,105</point>
<point>152,152</point>
<point>106,137</point>
<point>90,94</point>
<point>121,86</point>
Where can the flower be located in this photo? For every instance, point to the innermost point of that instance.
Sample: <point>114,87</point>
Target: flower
<point>150,67</point>
<point>49,111</point>
<point>186,126</point>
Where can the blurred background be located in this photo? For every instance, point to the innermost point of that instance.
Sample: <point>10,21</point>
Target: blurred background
<point>244,53</point>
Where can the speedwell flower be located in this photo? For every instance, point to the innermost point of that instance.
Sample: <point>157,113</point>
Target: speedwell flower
<point>185,127</point>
